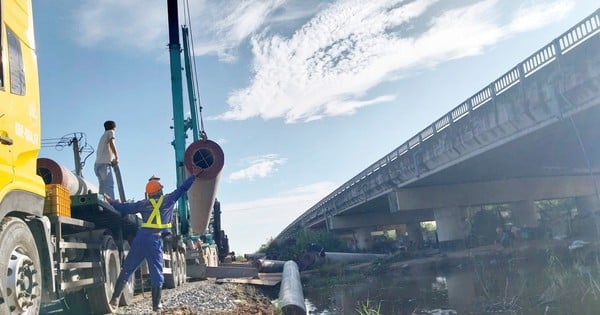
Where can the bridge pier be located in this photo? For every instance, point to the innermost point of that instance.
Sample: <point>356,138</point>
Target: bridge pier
<point>415,236</point>
<point>589,206</point>
<point>363,238</point>
<point>450,228</point>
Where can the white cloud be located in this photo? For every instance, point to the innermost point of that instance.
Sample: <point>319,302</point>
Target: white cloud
<point>260,167</point>
<point>531,17</point>
<point>234,22</point>
<point>273,215</point>
<point>138,24</point>
<point>327,67</point>
<point>218,27</point>
<point>297,200</point>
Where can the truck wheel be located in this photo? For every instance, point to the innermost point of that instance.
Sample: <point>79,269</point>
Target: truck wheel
<point>182,266</point>
<point>177,265</point>
<point>127,296</point>
<point>21,280</point>
<point>99,296</point>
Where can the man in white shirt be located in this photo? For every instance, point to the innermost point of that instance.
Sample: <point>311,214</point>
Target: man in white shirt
<point>106,157</point>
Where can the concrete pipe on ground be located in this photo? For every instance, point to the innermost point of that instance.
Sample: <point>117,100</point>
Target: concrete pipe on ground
<point>53,173</point>
<point>269,266</point>
<point>310,260</point>
<point>291,297</point>
<point>209,156</point>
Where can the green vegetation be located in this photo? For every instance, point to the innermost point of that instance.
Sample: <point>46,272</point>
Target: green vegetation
<point>577,280</point>
<point>293,247</point>
<point>428,226</point>
<point>366,308</point>
<point>503,283</point>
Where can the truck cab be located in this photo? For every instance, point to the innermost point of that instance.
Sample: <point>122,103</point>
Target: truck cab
<point>58,245</point>
<point>19,110</point>
<point>22,227</point>
<point>44,257</point>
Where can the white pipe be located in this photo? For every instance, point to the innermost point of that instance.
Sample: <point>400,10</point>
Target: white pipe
<point>291,298</point>
<point>201,196</point>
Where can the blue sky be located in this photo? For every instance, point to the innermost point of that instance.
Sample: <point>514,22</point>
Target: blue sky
<point>301,95</point>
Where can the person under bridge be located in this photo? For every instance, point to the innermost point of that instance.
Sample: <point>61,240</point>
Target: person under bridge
<point>157,213</point>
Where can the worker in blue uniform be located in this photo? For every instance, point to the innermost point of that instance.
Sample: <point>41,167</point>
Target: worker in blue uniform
<point>157,212</point>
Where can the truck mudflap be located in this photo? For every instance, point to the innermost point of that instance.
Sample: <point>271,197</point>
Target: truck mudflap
<point>196,267</point>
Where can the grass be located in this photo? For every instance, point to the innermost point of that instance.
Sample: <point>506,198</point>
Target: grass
<point>366,308</point>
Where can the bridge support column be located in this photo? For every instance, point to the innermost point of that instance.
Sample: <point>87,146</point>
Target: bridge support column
<point>525,213</point>
<point>589,206</point>
<point>415,236</point>
<point>363,238</point>
<point>450,228</point>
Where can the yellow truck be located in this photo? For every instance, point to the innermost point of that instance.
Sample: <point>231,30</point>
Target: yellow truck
<point>56,248</point>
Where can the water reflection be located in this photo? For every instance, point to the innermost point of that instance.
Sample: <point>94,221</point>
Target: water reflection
<point>514,287</point>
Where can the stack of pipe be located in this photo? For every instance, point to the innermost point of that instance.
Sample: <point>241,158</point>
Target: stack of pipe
<point>207,155</point>
<point>54,173</point>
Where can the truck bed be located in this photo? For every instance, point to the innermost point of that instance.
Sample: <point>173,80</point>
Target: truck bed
<point>91,208</point>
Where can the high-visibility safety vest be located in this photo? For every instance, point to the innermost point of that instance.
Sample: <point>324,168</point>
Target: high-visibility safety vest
<point>155,221</point>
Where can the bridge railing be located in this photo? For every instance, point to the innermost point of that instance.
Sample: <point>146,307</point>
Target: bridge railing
<point>537,61</point>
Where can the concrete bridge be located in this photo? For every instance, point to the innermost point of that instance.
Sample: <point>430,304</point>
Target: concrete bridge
<point>532,134</point>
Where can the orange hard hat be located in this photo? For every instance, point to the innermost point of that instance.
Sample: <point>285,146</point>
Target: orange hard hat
<point>153,186</point>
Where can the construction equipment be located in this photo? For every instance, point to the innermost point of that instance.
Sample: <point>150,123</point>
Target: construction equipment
<point>206,242</point>
<point>60,241</point>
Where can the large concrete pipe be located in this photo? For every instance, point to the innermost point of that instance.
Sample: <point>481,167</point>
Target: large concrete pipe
<point>53,173</point>
<point>201,196</point>
<point>309,260</point>
<point>269,266</point>
<point>291,298</point>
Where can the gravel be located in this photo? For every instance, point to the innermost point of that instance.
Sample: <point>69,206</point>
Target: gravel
<point>199,297</point>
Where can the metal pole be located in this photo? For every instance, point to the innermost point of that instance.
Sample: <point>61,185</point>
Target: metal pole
<point>190,84</point>
<point>77,157</point>
<point>177,98</point>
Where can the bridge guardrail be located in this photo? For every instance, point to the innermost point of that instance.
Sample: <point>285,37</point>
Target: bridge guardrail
<point>576,35</point>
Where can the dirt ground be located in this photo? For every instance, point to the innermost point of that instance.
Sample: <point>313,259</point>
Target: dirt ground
<point>253,301</point>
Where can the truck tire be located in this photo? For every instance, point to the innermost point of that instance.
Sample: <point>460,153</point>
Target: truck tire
<point>99,296</point>
<point>21,280</point>
<point>127,296</point>
<point>182,268</point>
<point>177,265</point>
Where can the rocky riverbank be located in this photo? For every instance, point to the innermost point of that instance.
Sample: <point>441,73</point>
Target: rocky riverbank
<point>207,297</point>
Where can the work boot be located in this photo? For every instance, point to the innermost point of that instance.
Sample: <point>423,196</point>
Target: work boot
<point>156,304</point>
<point>119,287</point>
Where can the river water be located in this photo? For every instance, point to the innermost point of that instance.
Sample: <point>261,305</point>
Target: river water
<point>513,285</point>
